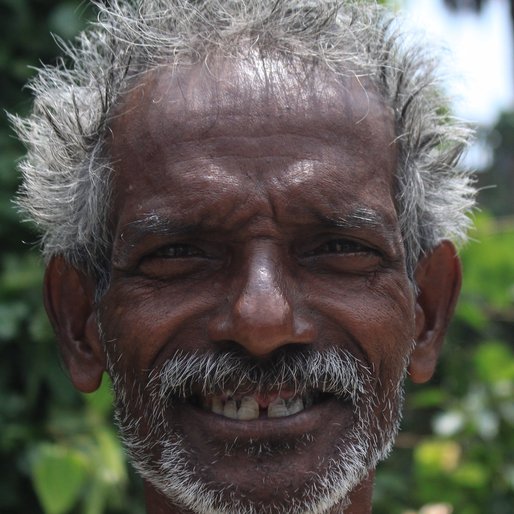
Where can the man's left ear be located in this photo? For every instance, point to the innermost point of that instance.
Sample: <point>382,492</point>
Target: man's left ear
<point>438,277</point>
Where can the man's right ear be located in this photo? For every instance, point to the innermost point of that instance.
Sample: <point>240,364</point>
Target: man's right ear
<point>69,303</point>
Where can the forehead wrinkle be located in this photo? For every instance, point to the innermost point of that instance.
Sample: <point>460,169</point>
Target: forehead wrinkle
<point>299,172</point>
<point>191,93</point>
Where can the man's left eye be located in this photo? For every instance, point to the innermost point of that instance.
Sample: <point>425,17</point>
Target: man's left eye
<point>341,246</point>
<point>176,251</point>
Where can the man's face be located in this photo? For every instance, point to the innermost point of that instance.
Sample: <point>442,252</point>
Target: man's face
<point>259,314</point>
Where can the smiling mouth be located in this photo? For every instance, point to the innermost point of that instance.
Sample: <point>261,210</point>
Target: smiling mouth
<point>248,407</point>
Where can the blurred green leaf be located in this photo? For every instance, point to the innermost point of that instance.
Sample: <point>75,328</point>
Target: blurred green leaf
<point>471,475</point>
<point>488,265</point>
<point>433,457</point>
<point>11,316</point>
<point>101,400</point>
<point>111,462</point>
<point>95,499</point>
<point>428,397</point>
<point>494,361</point>
<point>65,21</point>
<point>58,473</point>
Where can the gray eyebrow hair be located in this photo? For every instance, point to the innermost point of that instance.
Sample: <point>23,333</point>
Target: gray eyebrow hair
<point>361,218</point>
<point>152,224</point>
<point>148,225</point>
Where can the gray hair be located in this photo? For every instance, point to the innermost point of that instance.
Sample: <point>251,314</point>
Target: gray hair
<point>67,172</point>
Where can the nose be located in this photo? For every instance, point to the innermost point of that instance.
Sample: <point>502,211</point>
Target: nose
<point>263,313</point>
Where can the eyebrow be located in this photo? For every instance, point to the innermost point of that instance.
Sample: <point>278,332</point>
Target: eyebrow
<point>154,224</point>
<point>148,225</point>
<point>362,218</point>
<point>359,218</point>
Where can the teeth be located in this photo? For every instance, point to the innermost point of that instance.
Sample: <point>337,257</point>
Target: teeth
<point>295,406</point>
<point>230,409</point>
<point>249,409</point>
<point>217,405</point>
<point>277,408</point>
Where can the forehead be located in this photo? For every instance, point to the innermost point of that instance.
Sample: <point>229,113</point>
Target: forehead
<point>234,127</point>
<point>188,101</point>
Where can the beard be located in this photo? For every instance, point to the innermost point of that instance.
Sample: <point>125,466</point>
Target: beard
<point>159,451</point>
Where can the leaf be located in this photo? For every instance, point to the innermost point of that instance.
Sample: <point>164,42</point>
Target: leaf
<point>58,475</point>
<point>470,313</point>
<point>10,318</point>
<point>428,397</point>
<point>494,361</point>
<point>434,457</point>
<point>488,265</point>
<point>94,501</point>
<point>112,461</point>
<point>101,400</point>
<point>471,475</point>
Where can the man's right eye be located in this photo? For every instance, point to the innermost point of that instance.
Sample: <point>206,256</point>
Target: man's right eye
<point>176,260</point>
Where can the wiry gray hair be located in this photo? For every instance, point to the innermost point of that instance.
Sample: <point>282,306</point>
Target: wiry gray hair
<point>67,170</point>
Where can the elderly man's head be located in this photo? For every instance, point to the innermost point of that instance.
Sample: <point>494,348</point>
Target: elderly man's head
<point>247,210</point>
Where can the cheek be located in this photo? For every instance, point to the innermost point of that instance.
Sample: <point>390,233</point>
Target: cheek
<point>378,318</point>
<point>388,338</point>
<point>144,324</point>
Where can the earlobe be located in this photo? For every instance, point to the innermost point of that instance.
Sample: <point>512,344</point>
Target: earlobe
<point>69,302</point>
<point>438,278</point>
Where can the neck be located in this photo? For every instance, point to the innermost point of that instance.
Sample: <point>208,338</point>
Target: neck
<point>358,500</point>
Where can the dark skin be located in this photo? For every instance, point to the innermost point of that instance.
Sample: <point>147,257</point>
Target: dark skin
<point>259,179</point>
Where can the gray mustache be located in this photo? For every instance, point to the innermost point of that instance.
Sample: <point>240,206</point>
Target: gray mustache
<point>331,371</point>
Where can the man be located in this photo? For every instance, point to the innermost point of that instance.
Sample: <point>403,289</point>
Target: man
<point>247,211</point>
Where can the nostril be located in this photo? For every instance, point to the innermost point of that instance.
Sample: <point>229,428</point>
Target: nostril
<point>227,346</point>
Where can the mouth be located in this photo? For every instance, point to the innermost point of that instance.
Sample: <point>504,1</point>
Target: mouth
<point>249,407</point>
<point>245,419</point>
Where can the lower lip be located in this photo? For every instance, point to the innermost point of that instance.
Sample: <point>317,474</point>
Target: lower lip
<point>310,420</point>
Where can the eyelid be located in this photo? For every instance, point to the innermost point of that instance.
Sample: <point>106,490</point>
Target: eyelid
<point>177,260</point>
<point>182,250</point>
<point>358,247</point>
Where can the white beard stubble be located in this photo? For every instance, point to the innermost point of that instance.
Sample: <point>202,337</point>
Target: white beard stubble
<point>162,458</point>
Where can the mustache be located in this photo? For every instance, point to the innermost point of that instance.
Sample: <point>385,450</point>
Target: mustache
<point>332,371</point>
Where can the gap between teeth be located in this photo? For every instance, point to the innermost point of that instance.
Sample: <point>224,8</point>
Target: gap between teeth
<point>248,408</point>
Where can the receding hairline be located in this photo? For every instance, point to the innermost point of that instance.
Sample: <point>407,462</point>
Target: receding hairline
<point>252,76</point>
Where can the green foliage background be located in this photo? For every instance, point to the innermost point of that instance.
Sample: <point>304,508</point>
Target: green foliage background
<point>59,453</point>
